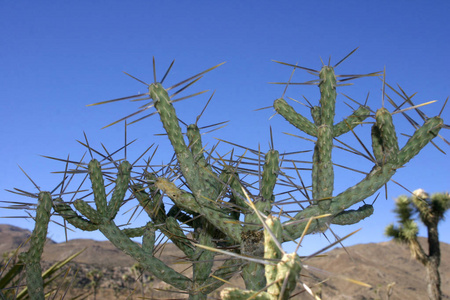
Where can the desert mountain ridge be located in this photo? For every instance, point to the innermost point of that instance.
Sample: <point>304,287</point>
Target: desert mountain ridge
<point>378,264</point>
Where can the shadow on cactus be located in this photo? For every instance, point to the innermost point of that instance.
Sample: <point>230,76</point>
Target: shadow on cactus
<point>201,200</point>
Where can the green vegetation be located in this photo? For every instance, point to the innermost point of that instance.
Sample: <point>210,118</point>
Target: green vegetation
<point>206,204</point>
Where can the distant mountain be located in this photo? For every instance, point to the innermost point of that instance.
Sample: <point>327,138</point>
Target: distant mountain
<point>12,237</point>
<point>379,265</point>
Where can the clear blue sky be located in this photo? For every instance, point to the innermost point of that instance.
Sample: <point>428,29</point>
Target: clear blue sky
<point>57,57</point>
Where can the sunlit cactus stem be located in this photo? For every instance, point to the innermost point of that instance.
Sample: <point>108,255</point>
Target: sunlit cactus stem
<point>322,165</point>
<point>252,238</point>
<point>281,276</point>
<point>98,187</point>
<point>198,176</point>
<point>32,258</point>
<point>170,122</point>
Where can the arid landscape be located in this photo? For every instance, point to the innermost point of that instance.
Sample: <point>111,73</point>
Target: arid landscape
<point>384,266</point>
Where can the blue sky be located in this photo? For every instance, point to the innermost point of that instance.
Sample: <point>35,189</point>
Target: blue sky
<point>57,57</point>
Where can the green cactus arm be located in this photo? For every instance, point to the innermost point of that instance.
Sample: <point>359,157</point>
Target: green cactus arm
<point>288,269</point>
<point>268,180</point>
<point>323,167</point>
<point>98,186</point>
<point>421,137</point>
<point>328,95</point>
<point>134,232</point>
<point>47,275</point>
<point>187,202</point>
<point>253,276</point>
<point>281,278</point>
<point>253,271</point>
<point>225,272</point>
<point>272,252</point>
<point>269,175</point>
<point>148,239</point>
<point>35,283</point>
<point>39,234</point>
<point>362,190</point>
<point>351,121</point>
<point>86,210</point>
<point>203,259</point>
<point>103,211</point>
<point>212,185</point>
<point>195,144</point>
<point>176,235</point>
<point>65,211</point>
<point>387,135</point>
<point>296,119</point>
<point>353,216</point>
<point>230,178</point>
<point>323,172</point>
<point>155,209</point>
<point>170,122</point>
<point>121,240</point>
<point>32,257</point>
<point>378,176</point>
<point>152,204</point>
<point>150,263</point>
<point>123,178</point>
<point>182,199</point>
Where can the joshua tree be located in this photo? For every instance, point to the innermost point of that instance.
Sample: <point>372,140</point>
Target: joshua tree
<point>431,211</point>
<point>95,276</point>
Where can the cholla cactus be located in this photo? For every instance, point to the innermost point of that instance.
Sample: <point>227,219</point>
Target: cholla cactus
<point>207,194</point>
<point>431,210</point>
